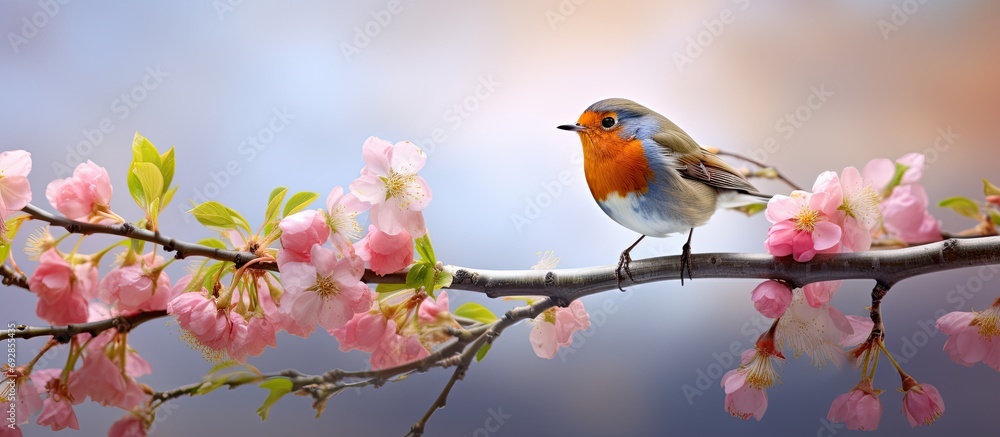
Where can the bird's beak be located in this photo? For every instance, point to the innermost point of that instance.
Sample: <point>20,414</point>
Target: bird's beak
<point>572,127</point>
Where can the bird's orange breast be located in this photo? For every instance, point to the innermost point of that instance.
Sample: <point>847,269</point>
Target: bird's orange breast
<point>614,165</point>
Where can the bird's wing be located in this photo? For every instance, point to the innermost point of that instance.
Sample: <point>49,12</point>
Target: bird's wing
<point>696,163</point>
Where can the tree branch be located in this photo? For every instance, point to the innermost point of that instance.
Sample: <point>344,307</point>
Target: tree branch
<point>181,249</point>
<point>887,267</point>
<point>10,277</point>
<point>63,334</point>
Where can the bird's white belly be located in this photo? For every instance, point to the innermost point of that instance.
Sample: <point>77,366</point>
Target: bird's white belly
<point>628,211</point>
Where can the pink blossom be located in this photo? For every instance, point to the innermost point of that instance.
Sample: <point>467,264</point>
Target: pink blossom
<point>139,286</point>
<point>771,298</point>
<point>57,408</point>
<point>860,206</point>
<point>858,409</point>
<point>11,431</point>
<point>15,191</point>
<point>326,290</point>
<point>62,294</point>
<point>389,182</point>
<point>881,171</point>
<point>905,215</point>
<point>130,425</point>
<point>819,293</point>
<point>972,336</point>
<point>25,396</point>
<point>802,224</point>
<point>250,337</point>
<point>299,232</point>
<point>922,403</point>
<point>103,381</point>
<point>279,320</point>
<point>385,253</point>
<point>199,316</point>
<point>820,332</point>
<point>79,197</point>
<point>342,212</point>
<point>365,331</point>
<point>743,400</point>
<point>395,349</point>
<point>904,205</point>
<point>430,307</point>
<point>554,328</point>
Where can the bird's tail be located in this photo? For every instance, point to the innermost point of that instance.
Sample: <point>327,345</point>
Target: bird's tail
<point>742,198</point>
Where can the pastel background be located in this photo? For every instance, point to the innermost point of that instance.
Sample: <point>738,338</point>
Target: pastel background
<point>203,76</point>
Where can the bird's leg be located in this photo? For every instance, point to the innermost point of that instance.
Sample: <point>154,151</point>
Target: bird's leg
<point>623,262</point>
<point>686,258</point>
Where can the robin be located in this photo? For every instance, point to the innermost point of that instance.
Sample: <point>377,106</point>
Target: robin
<point>651,177</point>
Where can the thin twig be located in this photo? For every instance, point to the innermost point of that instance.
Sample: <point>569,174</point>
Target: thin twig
<point>496,328</point>
<point>777,173</point>
<point>63,334</point>
<point>181,249</point>
<point>10,277</point>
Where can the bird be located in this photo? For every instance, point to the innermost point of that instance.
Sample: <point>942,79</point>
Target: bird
<point>651,177</point>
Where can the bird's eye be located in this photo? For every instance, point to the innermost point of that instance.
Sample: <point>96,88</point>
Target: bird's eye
<point>608,122</point>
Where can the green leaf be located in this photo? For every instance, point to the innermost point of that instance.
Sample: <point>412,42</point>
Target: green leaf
<point>137,245</point>
<point>475,311</point>
<point>278,388</point>
<point>442,280</point>
<point>989,189</point>
<point>418,275</point>
<point>995,217</point>
<point>8,237</point>
<point>298,202</point>
<point>425,249</point>
<point>214,215</point>
<point>239,220</point>
<point>751,209</point>
<point>897,177</point>
<point>483,351</point>
<point>214,243</point>
<point>390,288</point>
<point>150,180</point>
<point>135,188</point>
<point>167,197</point>
<point>274,203</point>
<point>962,205</point>
<point>167,164</point>
<point>144,151</point>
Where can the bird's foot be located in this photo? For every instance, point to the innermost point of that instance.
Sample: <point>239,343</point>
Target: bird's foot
<point>686,262</point>
<point>623,266</point>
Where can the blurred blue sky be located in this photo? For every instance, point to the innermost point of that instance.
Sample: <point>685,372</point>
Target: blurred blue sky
<point>482,85</point>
